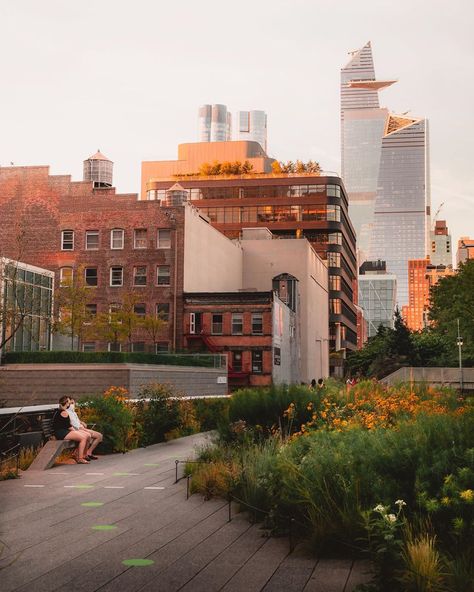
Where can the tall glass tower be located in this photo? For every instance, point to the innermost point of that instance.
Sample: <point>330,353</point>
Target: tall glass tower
<point>386,172</point>
<point>215,123</point>
<point>252,127</point>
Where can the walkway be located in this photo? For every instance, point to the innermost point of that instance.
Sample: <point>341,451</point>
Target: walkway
<point>72,528</point>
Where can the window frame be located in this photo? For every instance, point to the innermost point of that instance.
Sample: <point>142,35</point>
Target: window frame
<point>256,361</point>
<point>135,275</point>
<point>90,233</point>
<point>166,316</point>
<point>63,240</point>
<point>89,285</point>
<point>158,267</point>
<point>256,314</point>
<point>62,279</point>
<point>241,331</point>
<point>121,230</point>
<point>136,240</point>
<point>111,272</point>
<point>158,240</point>
<point>216,323</point>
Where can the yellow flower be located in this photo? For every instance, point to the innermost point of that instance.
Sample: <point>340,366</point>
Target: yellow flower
<point>445,501</point>
<point>467,495</point>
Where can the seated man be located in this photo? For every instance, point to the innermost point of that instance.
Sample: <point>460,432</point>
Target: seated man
<point>77,424</point>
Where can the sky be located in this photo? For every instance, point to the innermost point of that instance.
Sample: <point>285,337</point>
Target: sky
<point>128,78</point>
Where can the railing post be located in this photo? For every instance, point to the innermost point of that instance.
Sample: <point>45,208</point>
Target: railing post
<point>187,486</point>
<point>176,462</point>
<point>291,521</point>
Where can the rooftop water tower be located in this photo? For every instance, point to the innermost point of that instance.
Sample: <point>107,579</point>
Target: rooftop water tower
<point>98,169</point>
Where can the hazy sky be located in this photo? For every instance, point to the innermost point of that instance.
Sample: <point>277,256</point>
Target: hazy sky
<point>128,77</point>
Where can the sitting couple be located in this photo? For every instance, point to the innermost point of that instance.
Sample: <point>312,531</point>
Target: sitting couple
<point>68,426</point>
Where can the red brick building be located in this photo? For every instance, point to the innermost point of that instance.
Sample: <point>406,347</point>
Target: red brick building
<point>119,243</point>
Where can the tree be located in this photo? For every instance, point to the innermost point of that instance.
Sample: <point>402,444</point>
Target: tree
<point>72,315</point>
<point>452,298</point>
<point>109,327</point>
<point>130,320</point>
<point>153,325</point>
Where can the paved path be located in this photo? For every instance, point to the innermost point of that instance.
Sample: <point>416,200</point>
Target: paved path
<point>70,529</point>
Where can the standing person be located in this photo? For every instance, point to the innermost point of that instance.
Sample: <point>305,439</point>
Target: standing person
<point>95,438</point>
<point>312,386</point>
<point>320,384</point>
<point>63,429</point>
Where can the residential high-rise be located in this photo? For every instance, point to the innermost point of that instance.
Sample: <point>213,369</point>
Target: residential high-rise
<point>441,252</point>
<point>377,293</point>
<point>465,250</point>
<point>252,126</point>
<point>215,123</point>
<point>385,164</point>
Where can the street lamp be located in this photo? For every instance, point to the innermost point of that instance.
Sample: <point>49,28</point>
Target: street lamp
<point>460,344</point>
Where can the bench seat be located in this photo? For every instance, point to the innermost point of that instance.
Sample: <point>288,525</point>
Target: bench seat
<point>49,453</point>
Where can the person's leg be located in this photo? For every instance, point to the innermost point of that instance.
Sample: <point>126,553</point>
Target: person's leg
<point>81,438</point>
<point>96,439</point>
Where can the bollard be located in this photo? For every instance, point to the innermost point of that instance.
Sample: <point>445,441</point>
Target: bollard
<point>187,486</point>
<point>291,521</point>
<point>176,462</point>
<point>230,509</point>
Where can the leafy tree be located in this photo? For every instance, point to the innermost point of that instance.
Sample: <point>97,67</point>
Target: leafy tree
<point>452,298</point>
<point>153,325</point>
<point>72,315</point>
<point>109,327</point>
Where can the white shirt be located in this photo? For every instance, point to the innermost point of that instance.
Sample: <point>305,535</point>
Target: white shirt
<point>75,421</point>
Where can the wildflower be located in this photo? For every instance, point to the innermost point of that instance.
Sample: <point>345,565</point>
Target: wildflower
<point>391,517</point>
<point>380,508</point>
<point>309,406</point>
<point>445,501</point>
<point>400,503</point>
<point>467,495</point>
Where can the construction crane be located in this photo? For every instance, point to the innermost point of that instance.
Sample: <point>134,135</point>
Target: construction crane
<point>436,214</point>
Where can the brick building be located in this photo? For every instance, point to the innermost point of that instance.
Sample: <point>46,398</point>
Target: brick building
<point>257,329</point>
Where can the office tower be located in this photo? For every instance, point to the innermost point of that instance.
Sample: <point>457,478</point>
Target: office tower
<point>465,250</point>
<point>252,127</point>
<point>441,252</point>
<point>377,293</point>
<point>422,276</point>
<point>385,163</point>
<point>215,123</point>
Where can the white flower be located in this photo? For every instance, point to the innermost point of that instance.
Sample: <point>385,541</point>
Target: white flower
<point>391,517</point>
<point>380,508</point>
<point>400,503</point>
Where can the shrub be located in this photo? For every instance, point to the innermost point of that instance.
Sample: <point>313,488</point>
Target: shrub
<point>157,413</point>
<point>211,413</point>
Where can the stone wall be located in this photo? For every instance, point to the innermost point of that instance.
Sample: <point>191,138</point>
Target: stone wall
<point>41,384</point>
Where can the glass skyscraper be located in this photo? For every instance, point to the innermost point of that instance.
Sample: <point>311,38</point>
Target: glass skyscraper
<point>252,127</point>
<point>215,123</point>
<point>386,172</point>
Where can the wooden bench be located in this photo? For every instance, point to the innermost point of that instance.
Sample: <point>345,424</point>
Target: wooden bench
<point>52,449</point>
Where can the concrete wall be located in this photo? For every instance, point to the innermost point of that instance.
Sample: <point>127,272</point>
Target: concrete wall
<point>434,376</point>
<point>212,263</point>
<point>37,384</point>
<point>263,260</point>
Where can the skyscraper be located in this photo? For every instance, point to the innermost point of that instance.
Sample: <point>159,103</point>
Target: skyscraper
<point>215,123</point>
<point>252,127</point>
<point>385,164</point>
<point>441,248</point>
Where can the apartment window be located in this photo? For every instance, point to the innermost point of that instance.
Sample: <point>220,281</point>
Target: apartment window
<point>116,238</point>
<point>66,275</point>
<point>114,346</point>
<point>90,276</point>
<point>163,311</point>
<point>140,238</point>
<point>91,310</point>
<point>139,309</point>
<point>88,346</point>
<point>67,240</point>
<point>257,361</point>
<point>237,323</point>
<point>92,240</point>
<point>334,259</point>
<point>237,361</point>
<point>163,239</point>
<point>139,276</point>
<point>116,276</point>
<point>163,275</point>
<point>334,306</point>
<point>217,324</point>
<point>257,324</point>
<point>138,346</point>
<point>162,347</point>
<point>334,282</point>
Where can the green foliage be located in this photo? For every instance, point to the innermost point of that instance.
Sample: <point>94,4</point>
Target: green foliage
<point>72,357</point>
<point>211,413</point>
<point>225,168</point>
<point>452,298</point>
<point>157,413</point>
<point>298,167</point>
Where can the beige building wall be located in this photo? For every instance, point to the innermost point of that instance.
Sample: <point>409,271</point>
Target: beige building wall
<point>263,260</point>
<point>192,156</point>
<point>212,263</point>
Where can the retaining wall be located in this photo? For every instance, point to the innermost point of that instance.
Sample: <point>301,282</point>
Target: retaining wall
<point>36,384</point>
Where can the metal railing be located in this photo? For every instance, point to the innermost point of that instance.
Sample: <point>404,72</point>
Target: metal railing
<point>8,455</point>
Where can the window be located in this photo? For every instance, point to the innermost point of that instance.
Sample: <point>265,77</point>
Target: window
<point>162,347</point>
<point>88,346</point>
<point>334,306</point>
<point>163,275</point>
<point>334,259</point>
<point>139,310</point>
<point>90,276</point>
<point>257,361</point>
<point>237,324</point>
<point>216,328</point>
<point>114,312</point>
<point>67,240</point>
<point>138,346</point>
<point>163,239</point>
<point>163,311</point>
<point>237,361</point>
<point>91,312</point>
<point>116,276</point>
<point>116,238</point>
<point>92,240</point>
<point>114,346</point>
<point>257,324</point>
<point>277,356</point>
<point>334,282</point>
<point>139,238</point>
<point>139,276</point>
<point>66,275</point>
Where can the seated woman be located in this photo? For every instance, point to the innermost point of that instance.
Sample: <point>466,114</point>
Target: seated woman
<point>63,429</point>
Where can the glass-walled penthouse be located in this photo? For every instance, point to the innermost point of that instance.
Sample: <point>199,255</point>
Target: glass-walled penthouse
<point>26,300</point>
<point>291,206</point>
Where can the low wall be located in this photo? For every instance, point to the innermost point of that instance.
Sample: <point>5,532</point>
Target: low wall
<point>435,376</point>
<point>37,384</point>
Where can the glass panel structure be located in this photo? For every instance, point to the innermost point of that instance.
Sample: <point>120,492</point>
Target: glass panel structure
<point>377,295</point>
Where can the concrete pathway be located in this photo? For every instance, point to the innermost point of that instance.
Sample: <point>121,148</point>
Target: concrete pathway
<point>71,528</point>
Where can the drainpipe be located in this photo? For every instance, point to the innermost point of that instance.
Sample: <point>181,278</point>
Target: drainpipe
<point>175,298</point>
